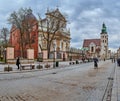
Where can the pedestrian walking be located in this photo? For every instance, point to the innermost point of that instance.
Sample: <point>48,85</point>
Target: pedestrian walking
<point>95,63</point>
<point>112,60</point>
<point>118,62</point>
<point>104,59</point>
<point>18,63</point>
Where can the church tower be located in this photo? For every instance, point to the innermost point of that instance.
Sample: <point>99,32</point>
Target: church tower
<point>104,42</point>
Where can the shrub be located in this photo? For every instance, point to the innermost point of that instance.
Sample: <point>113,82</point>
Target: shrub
<point>8,68</point>
<point>47,66</point>
<point>77,62</point>
<point>32,67</point>
<point>39,67</point>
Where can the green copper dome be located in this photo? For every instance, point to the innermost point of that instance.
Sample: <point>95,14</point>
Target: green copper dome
<point>103,29</point>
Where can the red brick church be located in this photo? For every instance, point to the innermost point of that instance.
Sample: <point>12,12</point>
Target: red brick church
<point>15,38</point>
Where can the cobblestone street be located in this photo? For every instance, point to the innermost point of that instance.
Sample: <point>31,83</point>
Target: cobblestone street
<point>73,83</point>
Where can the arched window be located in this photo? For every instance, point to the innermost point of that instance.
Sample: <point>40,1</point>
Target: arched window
<point>92,49</point>
<point>105,41</point>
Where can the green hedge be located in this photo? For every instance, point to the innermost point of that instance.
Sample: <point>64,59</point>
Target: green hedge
<point>39,67</point>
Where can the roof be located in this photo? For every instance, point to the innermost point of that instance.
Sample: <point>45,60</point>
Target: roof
<point>56,13</point>
<point>30,16</point>
<point>87,42</point>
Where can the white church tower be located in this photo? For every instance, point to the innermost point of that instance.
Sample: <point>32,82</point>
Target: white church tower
<point>104,42</point>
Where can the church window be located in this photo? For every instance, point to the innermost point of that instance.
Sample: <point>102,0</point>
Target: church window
<point>44,43</point>
<point>92,49</point>
<point>62,45</point>
<point>105,41</point>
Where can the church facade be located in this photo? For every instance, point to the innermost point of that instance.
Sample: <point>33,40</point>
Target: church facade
<point>48,35</point>
<point>97,47</point>
<point>53,44</point>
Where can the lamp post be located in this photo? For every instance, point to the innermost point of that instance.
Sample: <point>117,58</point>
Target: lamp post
<point>5,54</point>
<point>54,56</point>
<point>82,53</point>
<point>69,54</point>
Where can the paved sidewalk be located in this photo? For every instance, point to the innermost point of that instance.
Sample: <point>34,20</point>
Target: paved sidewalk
<point>15,70</point>
<point>116,85</point>
<point>62,64</point>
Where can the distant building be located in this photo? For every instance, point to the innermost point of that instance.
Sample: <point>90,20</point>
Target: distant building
<point>118,52</point>
<point>98,47</point>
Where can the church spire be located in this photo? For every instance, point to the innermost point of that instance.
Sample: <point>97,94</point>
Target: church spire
<point>104,31</point>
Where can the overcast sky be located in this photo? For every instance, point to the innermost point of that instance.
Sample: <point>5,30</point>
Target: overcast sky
<point>85,17</point>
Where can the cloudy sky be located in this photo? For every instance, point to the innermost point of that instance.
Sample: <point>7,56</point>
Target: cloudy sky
<point>85,17</point>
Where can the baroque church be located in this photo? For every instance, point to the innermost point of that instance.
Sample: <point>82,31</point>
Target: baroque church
<point>98,47</point>
<point>48,35</point>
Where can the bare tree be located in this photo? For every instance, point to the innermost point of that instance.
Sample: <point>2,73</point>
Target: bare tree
<point>29,22</point>
<point>4,35</point>
<point>22,23</point>
<point>50,26</point>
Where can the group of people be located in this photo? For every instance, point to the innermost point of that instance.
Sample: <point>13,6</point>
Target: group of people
<point>113,61</point>
<point>116,60</point>
<point>94,59</point>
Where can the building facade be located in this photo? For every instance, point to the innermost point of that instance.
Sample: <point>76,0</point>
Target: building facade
<point>118,52</point>
<point>58,41</point>
<point>15,37</point>
<point>42,37</point>
<point>98,47</point>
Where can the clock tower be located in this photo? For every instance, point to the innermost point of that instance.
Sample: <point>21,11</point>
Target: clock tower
<point>104,42</point>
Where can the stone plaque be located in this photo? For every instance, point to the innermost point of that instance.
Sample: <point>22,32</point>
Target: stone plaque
<point>30,53</point>
<point>9,53</point>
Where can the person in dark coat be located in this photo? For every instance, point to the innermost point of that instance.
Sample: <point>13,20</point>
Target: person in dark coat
<point>18,62</point>
<point>118,62</point>
<point>95,63</point>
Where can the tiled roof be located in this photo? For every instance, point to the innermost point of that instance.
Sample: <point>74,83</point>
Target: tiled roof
<point>87,42</point>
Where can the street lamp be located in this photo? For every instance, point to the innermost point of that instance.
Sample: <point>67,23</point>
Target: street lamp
<point>70,54</point>
<point>5,54</point>
<point>54,56</point>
